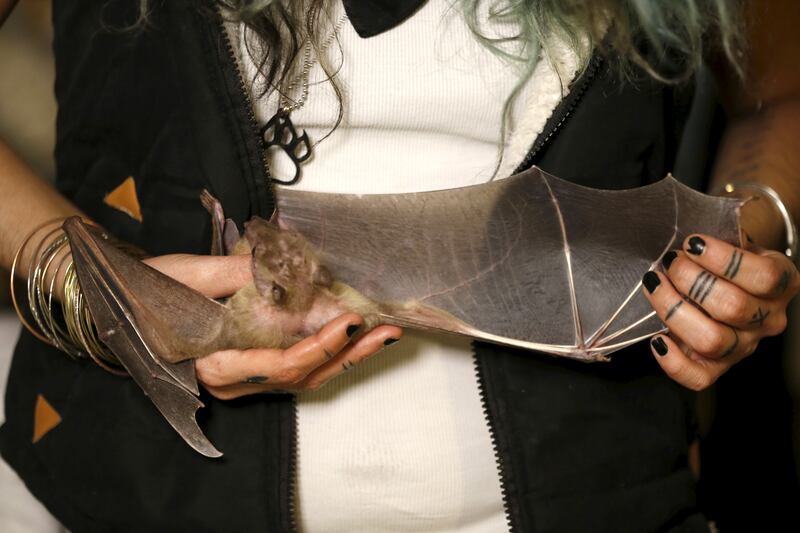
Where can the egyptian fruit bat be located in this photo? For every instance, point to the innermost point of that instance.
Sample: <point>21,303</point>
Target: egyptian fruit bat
<point>529,261</point>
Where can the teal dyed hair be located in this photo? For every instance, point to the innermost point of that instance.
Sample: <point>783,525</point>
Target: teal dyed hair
<point>666,38</point>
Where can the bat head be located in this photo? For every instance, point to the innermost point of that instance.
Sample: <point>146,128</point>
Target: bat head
<point>286,269</point>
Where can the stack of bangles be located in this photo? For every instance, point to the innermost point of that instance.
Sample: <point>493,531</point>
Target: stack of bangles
<point>68,326</point>
<point>65,323</point>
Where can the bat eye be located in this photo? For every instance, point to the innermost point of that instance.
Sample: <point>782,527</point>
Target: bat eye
<point>278,294</point>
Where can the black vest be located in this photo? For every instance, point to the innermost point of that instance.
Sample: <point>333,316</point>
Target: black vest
<point>599,447</point>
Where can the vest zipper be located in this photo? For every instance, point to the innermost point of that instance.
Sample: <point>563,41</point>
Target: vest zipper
<point>499,458</point>
<point>562,113</point>
<point>253,123</point>
<point>560,116</point>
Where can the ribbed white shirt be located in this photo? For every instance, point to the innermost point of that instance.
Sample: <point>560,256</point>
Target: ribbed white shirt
<point>400,443</point>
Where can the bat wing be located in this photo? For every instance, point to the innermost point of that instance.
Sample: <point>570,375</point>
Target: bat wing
<point>140,314</point>
<point>531,261</point>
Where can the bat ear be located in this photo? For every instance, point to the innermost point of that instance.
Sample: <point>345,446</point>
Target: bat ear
<point>258,231</point>
<point>214,209</point>
<point>230,236</point>
<point>262,277</point>
<point>322,277</point>
<point>274,220</point>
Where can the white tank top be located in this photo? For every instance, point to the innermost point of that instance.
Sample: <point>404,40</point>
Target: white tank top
<point>400,443</point>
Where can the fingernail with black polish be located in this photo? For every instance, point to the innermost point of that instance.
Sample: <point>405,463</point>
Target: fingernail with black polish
<point>352,329</point>
<point>389,341</point>
<point>659,345</point>
<point>668,258</point>
<point>696,246</point>
<point>650,281</point>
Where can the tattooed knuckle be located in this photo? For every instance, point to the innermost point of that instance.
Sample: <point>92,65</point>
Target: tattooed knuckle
<point>734,263</point>
<point>702,286</point>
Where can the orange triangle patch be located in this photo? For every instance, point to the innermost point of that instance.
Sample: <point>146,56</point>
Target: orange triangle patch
<point>45,418</point>
<point>124,199</point>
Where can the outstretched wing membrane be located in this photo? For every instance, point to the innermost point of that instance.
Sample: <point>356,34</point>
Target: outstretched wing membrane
<point>531,261</point>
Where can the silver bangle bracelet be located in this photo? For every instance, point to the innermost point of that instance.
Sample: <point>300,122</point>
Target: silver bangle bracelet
<point>791,228</point>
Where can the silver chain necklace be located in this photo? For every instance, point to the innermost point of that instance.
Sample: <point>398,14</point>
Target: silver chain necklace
<point>279,131</point>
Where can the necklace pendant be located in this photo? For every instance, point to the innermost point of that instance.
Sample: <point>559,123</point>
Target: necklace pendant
<point>279,132</point>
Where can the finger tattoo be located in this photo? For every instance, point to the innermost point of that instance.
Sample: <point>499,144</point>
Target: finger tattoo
<point>328,355</point>
<point>702,286</point>
<point>734,264</point>
<point>255,379</point>
<point>733,346</point>
<point>673,309</point>
<point>347,365</point>
<point>758,317</point>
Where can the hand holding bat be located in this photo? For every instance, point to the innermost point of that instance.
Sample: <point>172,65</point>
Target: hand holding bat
<point>718,301</point>
<point>306,365</point>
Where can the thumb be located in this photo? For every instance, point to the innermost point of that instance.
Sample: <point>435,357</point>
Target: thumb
<point>214,276</point>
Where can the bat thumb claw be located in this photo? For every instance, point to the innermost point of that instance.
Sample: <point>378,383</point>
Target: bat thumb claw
<point>195,438</point>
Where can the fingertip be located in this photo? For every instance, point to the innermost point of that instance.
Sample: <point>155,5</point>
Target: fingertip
<point>667,354</point>
<point>695,244</point>
<point>380,336</point>
<point>651,281</point>
<point>668,258</point>
<point>347,324</point>
<point>659,346</point>
<point>392,335</point>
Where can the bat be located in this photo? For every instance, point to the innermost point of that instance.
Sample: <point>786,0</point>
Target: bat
<point>530,261</point>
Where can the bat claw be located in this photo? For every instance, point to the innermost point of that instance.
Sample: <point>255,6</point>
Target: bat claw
<point>195,438</point>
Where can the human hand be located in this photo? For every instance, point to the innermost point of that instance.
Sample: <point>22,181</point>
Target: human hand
<point>718,302</point>
<point>306,365</point>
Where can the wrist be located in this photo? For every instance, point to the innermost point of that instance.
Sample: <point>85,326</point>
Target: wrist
<point>765,218</point>
<point>762,223</point>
